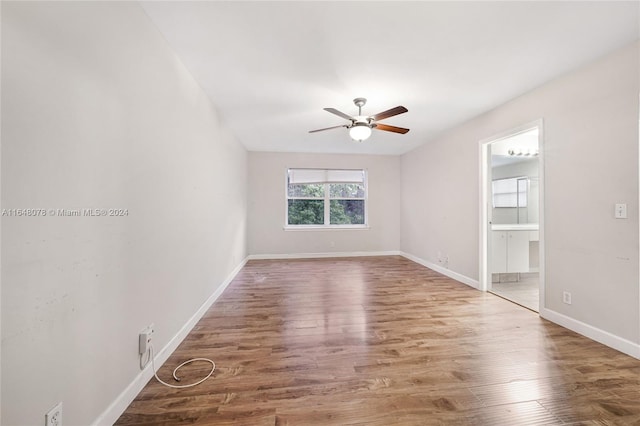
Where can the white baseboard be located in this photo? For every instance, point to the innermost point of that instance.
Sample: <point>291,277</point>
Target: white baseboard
<point>117,407</point>
<point>444,271</point>
<point>616,342</point>
<point>321,255</point>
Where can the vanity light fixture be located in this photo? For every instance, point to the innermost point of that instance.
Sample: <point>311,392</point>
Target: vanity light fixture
<point>523,152</point>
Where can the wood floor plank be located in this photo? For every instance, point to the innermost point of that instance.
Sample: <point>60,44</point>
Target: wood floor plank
<point>380,341</point>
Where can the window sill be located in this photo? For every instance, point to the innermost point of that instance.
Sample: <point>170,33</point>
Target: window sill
<point>326,228</point>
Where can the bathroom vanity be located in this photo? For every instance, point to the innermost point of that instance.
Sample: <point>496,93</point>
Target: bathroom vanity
<point>510,246</point>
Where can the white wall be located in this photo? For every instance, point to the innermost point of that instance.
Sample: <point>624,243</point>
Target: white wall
<point>591,162</point>
<point>99,113</point>
<point>266,216</point>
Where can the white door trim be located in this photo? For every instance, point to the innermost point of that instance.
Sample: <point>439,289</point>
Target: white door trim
<point>485,199</point>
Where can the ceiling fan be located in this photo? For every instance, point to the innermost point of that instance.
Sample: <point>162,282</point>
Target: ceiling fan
<point>361,125</point>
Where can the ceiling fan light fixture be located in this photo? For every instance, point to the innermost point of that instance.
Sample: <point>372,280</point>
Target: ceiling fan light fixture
<point>360,132</point>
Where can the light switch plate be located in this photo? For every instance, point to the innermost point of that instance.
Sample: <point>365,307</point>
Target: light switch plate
<point>621,211</point>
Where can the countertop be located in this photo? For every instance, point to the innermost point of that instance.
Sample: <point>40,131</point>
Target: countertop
<point>515,227</point>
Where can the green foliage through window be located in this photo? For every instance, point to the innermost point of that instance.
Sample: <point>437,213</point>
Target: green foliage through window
<point>347,212</point>
<point>311,201</point>
<point>346,190</point>
<point>309,190</point>
<point>306,212</point>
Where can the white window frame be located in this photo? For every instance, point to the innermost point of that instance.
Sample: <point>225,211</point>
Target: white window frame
<point>327,204</point>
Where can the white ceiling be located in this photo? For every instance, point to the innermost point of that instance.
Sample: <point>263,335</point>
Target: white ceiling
<point>270,67</point>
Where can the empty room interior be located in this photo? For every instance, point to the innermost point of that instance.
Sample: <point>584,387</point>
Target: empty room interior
<point>333,212</point>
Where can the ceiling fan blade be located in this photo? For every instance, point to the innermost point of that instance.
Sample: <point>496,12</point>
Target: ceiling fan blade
<point>389,113</point>
<point>327,128</point>
<point>339,114</point>
<point>393,129</point>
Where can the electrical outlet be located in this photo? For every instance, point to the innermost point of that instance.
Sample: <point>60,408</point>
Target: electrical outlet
<point>54,416</point>
<point>566,297</point>
<point>144,339</point>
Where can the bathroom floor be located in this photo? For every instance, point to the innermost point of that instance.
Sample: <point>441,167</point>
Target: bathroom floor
<point>524,292</point>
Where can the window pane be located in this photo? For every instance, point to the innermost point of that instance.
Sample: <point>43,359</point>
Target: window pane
<point>347,212</point>
<point>346,190</point>
<point>306,212</point>
<point>313,190</point>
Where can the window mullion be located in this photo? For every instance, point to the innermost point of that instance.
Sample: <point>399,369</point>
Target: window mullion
<point>327,205</point>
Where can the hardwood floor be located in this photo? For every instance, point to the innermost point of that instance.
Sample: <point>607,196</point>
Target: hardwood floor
<point>382,341</point>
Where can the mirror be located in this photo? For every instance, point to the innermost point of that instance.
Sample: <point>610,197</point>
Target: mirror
<point>515,184</point>
<point>515,199</point>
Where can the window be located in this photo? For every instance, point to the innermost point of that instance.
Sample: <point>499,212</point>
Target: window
<point>326,198</point>
<point>510,192</point>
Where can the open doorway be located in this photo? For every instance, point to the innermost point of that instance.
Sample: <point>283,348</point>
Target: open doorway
<point>512,216</point>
